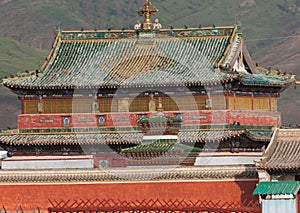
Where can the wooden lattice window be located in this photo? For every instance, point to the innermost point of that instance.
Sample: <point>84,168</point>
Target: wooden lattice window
<point>123,105</point>
<point>82,105</point>
<point>201,102</point>
<point>244,102</point>
<point>139,104</point>
<point>273,103</point>
<point>230,101</point>
<point>218,102</point>
<point>190,102</point>
<point>107,105</point>
<point>261,103</point>
<point>169,104</point>
<point>58,106</point>
<point>30,106</point>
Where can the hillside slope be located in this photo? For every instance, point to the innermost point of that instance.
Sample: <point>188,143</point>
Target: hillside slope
<point>16,56</point>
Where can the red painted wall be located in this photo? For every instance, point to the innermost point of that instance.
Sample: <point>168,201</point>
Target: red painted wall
<point>255,118</point>
<point>34,195</point>
<point>298,205</point>
<point>129,119</point>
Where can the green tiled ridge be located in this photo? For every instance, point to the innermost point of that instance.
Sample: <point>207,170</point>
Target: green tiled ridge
<point>261,134</point>
<point>277,188</point>
<point>261,79</point>
<point>122,34</point>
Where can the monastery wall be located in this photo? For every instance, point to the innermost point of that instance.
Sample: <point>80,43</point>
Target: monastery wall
<point>40,196</point>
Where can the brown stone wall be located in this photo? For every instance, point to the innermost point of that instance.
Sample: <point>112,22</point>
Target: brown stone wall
<point>33,196</point>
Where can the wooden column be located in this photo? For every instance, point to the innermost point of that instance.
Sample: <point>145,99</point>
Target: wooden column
<point>23,105</point>
<point>270,102</point>
<point>234,101</point>
<point>252,101</point>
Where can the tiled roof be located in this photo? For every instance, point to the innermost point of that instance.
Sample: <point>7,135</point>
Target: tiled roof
<point>283,153</point>
<point>101,59</point>
<point>126,62</point>
<point>260,135</point>
<point>118,138</point>
<point>71,139</point>
<point>262,79</point>
<point>122,59</point>
<point>160,146</point>
<point>209,135</point>
<point>277,188</point>
<point>136,174</point>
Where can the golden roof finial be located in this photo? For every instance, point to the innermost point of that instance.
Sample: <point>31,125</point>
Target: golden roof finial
<point>147,11</point>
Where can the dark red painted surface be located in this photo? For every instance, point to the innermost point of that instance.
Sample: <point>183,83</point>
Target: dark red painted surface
<point>129,119</point>
<point>33,196</point>
<point>109,162</point>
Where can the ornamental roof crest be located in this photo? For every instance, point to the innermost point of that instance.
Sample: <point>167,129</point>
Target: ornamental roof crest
<point>147,11</point>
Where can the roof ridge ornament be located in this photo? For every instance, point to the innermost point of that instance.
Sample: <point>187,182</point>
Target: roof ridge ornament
<point>147,11</point>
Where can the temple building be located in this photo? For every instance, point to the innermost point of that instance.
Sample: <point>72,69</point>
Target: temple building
<point>172,118</point>
<point>279,173</point>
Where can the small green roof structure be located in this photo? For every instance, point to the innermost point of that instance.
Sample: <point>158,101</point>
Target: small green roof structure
<point>277,188</point>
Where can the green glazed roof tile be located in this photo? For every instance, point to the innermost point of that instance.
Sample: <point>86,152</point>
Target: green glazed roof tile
<point>106,138</point>
<point>160,146</point>
<point>277,188</point>
<point>262,79</point>
<point>114,59</point>
<point>126,62</point>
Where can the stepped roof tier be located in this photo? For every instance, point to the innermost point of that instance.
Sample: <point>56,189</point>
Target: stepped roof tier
<point>142,174</point>
<point>148,58</point>
<point>40,139</point>
<point>153,138</point>
<point>282,155</point>
<point>233,97</point>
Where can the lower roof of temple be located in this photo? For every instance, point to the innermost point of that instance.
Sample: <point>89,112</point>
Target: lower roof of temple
<point>160,173</point>
<point>282,155</point>
<point>119,138</point>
